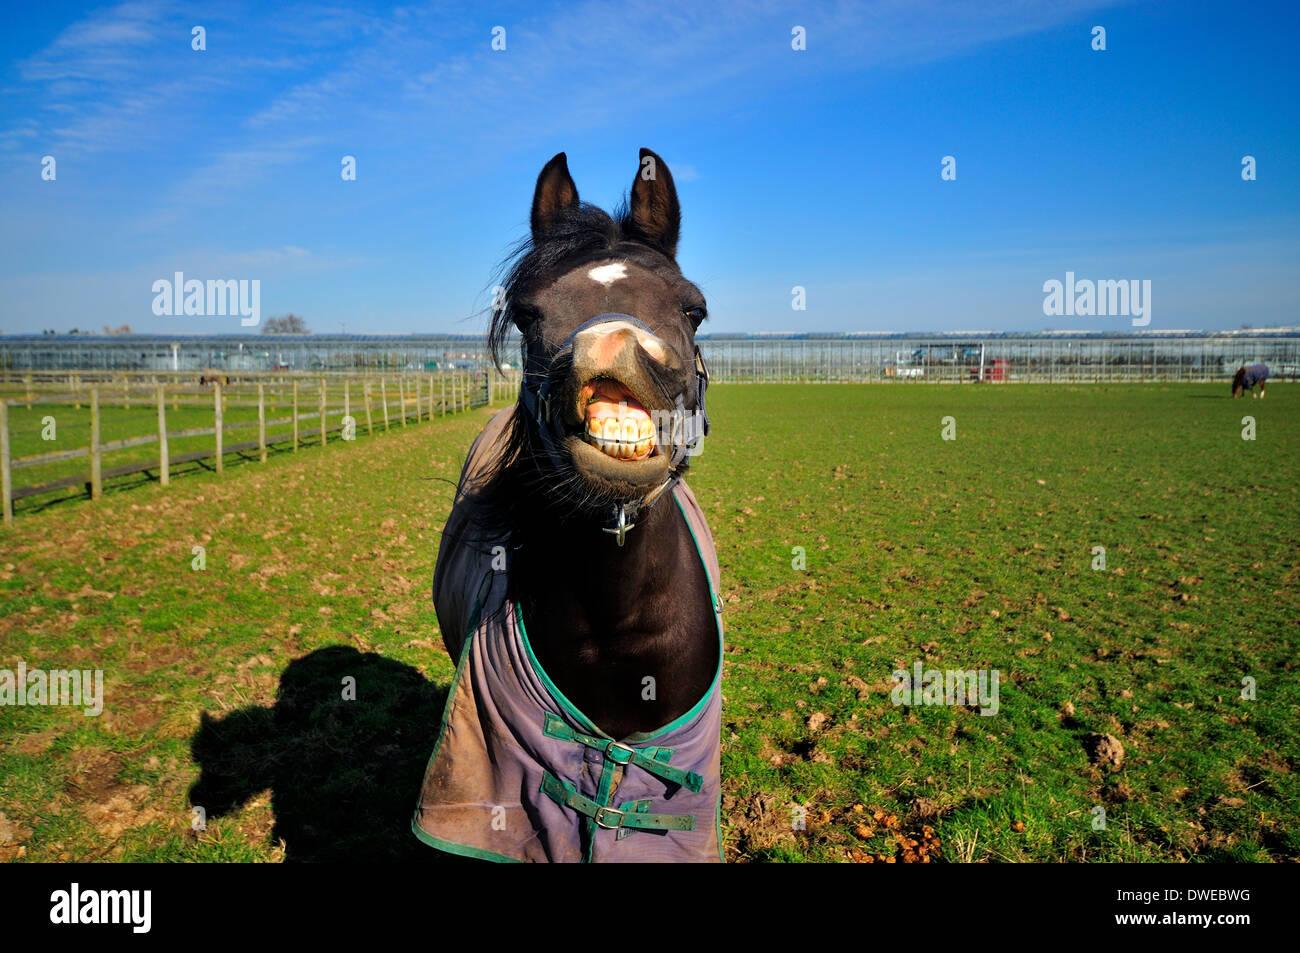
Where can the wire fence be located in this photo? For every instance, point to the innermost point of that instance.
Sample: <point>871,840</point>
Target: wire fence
<point>997,360</point>
<point>941,358</point>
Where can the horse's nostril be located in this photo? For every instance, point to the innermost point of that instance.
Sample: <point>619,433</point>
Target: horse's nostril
<point>606,349</point>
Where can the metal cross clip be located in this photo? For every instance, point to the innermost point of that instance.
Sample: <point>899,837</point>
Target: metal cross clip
<point>620,528</point>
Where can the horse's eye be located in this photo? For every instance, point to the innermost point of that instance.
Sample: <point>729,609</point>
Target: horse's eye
<point>696,315</point>
<point>524,315</point>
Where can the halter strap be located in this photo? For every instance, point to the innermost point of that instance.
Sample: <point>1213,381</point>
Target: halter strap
<point>537,403</point>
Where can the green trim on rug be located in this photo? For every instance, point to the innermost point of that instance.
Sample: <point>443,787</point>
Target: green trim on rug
<point>462,850</point>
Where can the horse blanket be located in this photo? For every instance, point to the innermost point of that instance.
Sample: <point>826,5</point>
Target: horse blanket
<point>518,773</point>
<point>1255,374</point>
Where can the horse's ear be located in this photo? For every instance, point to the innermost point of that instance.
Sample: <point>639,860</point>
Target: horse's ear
<point>555,191</point>
<point>656,216</point>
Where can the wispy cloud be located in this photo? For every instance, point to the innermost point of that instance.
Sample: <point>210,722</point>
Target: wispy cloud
<point>98,49</point>
<point>166,153</point>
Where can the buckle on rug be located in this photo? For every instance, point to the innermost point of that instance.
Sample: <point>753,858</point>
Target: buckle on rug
<point>627,751</point>
<point>603,812</point>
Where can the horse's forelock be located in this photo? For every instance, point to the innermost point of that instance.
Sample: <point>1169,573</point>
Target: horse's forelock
<point>571,233</point>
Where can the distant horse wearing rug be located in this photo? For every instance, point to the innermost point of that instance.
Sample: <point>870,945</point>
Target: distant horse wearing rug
<point>577,583</point>
<point>1247,377</point>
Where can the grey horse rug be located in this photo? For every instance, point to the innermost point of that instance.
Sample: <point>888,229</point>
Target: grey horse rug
<point>518,773</point>
<point>1255,374</point>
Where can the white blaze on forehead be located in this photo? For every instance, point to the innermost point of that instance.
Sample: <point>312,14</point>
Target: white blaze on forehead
<point>608,274</point>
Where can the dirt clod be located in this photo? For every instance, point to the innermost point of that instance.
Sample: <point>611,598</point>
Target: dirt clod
<point>1105,750</point>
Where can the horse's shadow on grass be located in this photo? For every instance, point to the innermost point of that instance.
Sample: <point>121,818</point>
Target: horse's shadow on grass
<point>343,774</point>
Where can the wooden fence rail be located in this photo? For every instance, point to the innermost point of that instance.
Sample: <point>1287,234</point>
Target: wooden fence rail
<point>269,391</point>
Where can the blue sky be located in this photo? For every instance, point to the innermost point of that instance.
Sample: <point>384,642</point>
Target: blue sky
<point>818,168</point>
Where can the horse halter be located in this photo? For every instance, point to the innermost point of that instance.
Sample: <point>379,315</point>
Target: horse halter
<point>537,402</point>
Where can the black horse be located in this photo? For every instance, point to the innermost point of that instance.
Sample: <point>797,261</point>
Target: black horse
<point>575,560</point>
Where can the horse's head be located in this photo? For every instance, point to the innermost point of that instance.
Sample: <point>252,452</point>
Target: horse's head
<point>1239,382</point>
<point>612,377</point>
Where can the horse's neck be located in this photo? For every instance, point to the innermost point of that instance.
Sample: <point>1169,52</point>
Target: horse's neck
<point>604,618</point>
<point>582,566</point>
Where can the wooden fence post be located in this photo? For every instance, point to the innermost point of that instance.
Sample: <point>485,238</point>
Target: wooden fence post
<point>218,421</point>
<point>96,459</point>
<point>430,400</point>
<point>383,396</point>
<point>261,422</point>
<point>6,479</point>
<point>365,390</point>
<point>322,411</point>
<point>347,398</point>
<point>401,397</point>
<point>295,416</point>
<point>443,382</point>
<point>164,459</point>
<point>28,379</point>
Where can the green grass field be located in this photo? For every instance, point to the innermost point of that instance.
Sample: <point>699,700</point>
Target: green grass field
<point>225,686</point>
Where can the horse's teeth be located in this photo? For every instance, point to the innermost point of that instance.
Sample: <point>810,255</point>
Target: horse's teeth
<point>624,438</point>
